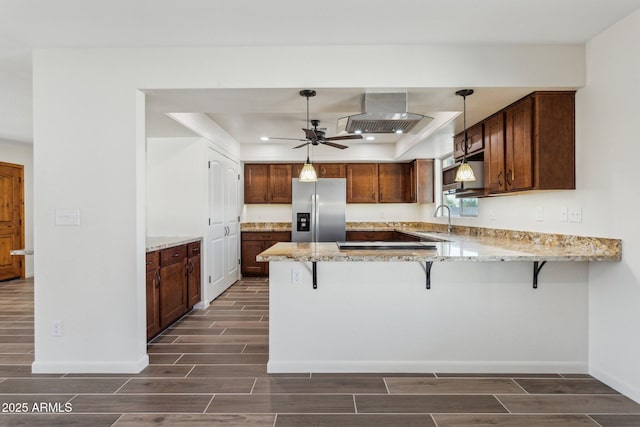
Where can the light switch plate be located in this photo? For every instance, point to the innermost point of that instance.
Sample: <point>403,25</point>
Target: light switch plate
<point>575,215</point>
<point>564,215</point>
<point>539,214</point>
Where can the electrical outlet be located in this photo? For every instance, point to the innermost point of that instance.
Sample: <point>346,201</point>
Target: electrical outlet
<point>564,215</point>
<point>575,215</point>
<point>296,278</point>
<point>539,214</point>
<point>492,215</point>
<point>57,328</point>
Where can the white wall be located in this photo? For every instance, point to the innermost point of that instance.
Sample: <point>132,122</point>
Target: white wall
<point>22,154</point>
<point>608,109</point>
<point>477,317</point>
<point>89,154</point>
<point>176,187</point>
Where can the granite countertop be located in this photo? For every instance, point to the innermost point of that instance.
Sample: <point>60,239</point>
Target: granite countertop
<point>157,243</point>
<point>460,247</point>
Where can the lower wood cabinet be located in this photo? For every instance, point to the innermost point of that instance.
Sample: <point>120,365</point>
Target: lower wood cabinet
<point>153,293</point>
<point>194,277</point>
<point>253,243</point>
<point>173,285</point>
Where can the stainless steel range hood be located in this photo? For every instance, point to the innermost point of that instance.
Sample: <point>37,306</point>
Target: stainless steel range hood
<point>383,113</point>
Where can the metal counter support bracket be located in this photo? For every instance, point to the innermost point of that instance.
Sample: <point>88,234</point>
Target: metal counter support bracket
<point>315,275</point>
<point>536,269</point>
<point>427,268</point>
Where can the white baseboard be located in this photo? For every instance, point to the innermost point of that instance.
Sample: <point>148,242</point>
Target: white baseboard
<point>630,390</point>
<point>84,367</point>
<point>336,366</point>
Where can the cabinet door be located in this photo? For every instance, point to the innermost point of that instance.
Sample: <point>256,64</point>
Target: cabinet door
<point>250,249</point>
<point>494,176</point>
<point>153,303</point>
<point>280,183</point>
<point>475,141</point>
<point>519,145</point>
<point>362,183</point>
<point>256,183</point>
<point>232,221</point>
<point>194,278</point>
<point>395,183</point>
<point>331,170</point>
<point>423,180</point>
<point>173,292</point>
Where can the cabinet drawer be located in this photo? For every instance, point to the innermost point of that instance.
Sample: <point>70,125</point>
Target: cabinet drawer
<point>193,249</point>
<point>280,236</point>
<point>153,260</point>
<point>173,255</point>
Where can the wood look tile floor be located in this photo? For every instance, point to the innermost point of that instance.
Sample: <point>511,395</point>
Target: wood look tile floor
<point>209,369</point>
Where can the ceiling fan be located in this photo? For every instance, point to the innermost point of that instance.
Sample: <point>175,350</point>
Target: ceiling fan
<point>316,136</point>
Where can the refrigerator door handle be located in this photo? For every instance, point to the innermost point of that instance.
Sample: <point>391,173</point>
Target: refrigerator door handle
<point>317,214</point>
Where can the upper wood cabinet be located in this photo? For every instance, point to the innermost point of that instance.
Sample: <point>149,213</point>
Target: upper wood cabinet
<point>331,170</point>
<point>537,148</point>
<point>422,181</point>
<point>267,183</point>
<point>475,141</point>
<point>280,183</point>
<point>323,170</point>
<point>396,183</point>
<point>494,178</point>
<point>362,183</point>
<point>366,182</point>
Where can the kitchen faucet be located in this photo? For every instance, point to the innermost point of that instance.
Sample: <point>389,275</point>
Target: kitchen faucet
<point>435,214</point>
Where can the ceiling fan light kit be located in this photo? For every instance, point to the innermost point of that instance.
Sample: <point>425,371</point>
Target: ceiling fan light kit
<point>316,136</point>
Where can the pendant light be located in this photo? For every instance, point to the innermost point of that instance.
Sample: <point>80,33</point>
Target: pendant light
<point>308,173</point>
<point>464,173</point>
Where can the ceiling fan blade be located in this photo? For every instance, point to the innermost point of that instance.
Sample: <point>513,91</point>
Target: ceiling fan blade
<point>338,138</point>
<point>288,139</point>
<point>301,145</point>
<point>311,134</point>
<point>333,144</point>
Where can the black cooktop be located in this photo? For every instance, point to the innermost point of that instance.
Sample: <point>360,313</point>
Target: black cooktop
<point>386,245</point>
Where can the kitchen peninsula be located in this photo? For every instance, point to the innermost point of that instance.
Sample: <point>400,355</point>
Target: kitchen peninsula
<point>372,311</point>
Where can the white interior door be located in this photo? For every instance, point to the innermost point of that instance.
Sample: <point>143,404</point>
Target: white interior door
<point>232,222</point>
<point>216,229</point>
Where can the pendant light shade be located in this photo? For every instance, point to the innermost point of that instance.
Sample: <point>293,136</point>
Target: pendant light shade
<point>308,173</point>
<point>464,173</point>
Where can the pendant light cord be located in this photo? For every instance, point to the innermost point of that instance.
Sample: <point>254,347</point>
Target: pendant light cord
<point>308,127</point>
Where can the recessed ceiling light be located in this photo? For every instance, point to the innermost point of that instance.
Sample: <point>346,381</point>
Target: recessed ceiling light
<point>264,138</point>
<point>399,131</point>
<point>357,132</point>
<point>370,138</point>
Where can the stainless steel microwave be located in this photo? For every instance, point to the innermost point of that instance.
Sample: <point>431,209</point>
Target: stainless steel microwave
<point>449,175</point>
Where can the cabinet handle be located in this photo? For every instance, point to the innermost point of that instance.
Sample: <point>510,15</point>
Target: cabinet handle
<point>507,176</point>
<point>176,255</point>
<point>149,262</point>
<point>157,279</point>
<point>467,143</point>
<point>499,182</point>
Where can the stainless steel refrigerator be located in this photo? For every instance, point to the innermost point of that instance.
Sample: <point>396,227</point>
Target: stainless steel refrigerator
<point>318,210</point>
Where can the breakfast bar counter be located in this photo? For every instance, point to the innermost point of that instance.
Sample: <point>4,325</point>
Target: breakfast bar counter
<point>371,311</point>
